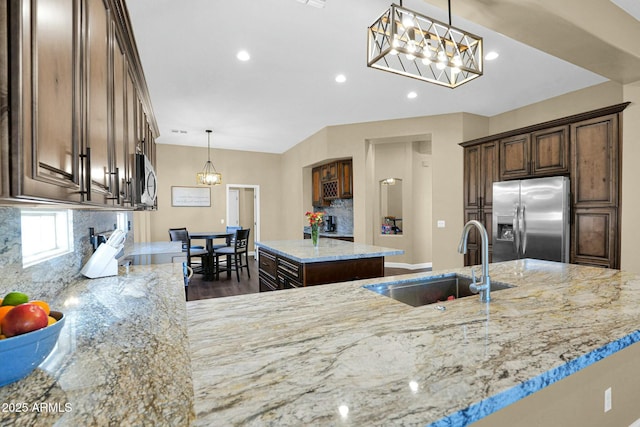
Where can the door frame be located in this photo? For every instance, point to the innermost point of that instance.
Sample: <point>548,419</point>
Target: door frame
<point>256,206</point>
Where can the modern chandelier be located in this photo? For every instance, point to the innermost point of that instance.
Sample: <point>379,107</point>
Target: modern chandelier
<point>209,175</point>
<point>405,42</point>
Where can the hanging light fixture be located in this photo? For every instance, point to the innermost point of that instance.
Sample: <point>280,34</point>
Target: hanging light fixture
<point>405,42</point>
<point>209,175</point>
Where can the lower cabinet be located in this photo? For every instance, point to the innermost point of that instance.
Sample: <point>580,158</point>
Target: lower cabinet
<point>278,272</point>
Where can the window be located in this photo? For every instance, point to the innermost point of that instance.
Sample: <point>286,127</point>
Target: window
<point>46,234</point>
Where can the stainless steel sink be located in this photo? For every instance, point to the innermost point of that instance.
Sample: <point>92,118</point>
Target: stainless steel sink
<point>432,289</point>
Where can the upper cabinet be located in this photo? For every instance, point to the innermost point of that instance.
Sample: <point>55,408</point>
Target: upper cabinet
<point>71,84</point>
<point>331,181</point>
<point>585,147</point>
<point>541,153</point>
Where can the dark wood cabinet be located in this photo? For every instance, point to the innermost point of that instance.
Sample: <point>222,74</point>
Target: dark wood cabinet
<point>550,151</point>
<point>345,179</point>
<point>514,157</point>
<point>595,187</point>
<point>316,182</point>
<point>278,272</point>
<point>480,172</point>
<point>44,60</point>
<point>541,153</point>
<point>586,147</point>
<point>331,181</point>
<point>65,94</point>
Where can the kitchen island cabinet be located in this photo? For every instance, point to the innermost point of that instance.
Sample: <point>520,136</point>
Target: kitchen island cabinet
<point>340,354</point>
<point>286,264</point>
<point>122,357</point>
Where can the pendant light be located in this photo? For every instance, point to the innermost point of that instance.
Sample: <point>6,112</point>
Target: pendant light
<point>209,175</point>
<point>405,42</point>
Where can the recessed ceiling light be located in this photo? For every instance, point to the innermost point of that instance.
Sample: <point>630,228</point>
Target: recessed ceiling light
<point>243,55</point>
<point>341,78</point>
<point>412,95</point>
<point>491,55</point>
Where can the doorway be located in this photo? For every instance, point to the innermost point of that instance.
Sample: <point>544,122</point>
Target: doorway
<point>243,209</point>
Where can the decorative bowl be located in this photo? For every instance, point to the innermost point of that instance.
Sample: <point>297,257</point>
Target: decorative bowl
<point>23,353</point>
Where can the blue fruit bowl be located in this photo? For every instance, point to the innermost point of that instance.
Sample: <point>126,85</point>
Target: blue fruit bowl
<point>23,353</point>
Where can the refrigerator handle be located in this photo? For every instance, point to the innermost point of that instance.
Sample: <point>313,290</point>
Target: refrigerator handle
<point>516,230</point>
<point>523,229</point>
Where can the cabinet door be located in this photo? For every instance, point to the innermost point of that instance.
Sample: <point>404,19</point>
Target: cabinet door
<point>119,107</point>
<point>330,171</point>
<point>594,237</point>
<point>472,192</point>
<point>345,179</point>
<point>47,104</point>
<point>550,151</point>
<point>594,168</point>
<point>488,173</point>
<point>96,115</point>
<point>514,157</point>
<point>127,177</point>
<point>316,179</point>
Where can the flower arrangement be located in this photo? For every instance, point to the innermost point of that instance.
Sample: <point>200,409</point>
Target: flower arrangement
<point>315,218</point>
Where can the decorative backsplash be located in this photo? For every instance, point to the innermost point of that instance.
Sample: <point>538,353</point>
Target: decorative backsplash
<point>46,279</point>
<point>342,209</point>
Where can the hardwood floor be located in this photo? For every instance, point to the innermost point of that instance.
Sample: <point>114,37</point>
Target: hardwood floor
<point>201,289</point>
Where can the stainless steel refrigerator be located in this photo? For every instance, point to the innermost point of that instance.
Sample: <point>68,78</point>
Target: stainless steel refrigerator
<point>531,219</point>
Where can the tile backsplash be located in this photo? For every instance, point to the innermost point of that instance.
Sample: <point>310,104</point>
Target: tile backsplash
<point>342,209</point>
<point>46,279</point>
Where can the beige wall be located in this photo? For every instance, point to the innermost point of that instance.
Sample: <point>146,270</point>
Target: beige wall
<point>177,166</point>
<point>630,179</point>
<point>588,99</point>
<point>446,131</point>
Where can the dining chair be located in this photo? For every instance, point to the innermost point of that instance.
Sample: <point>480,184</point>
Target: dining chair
<point>234,255</point>
<point>229,241</point>
<point>182,235</point>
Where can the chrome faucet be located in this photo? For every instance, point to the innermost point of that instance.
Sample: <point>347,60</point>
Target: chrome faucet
<point>484,286</point>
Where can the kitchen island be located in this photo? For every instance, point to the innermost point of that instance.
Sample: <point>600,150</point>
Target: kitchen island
<point>122,357</point>
<point>285,264</point>
<point>340,354</point>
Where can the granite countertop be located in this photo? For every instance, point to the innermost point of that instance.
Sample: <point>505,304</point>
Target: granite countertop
<point>153,248</point>
<point>339,354</point>
<point>307,230</point>
<point>122,357</point>
<point>328,250</point>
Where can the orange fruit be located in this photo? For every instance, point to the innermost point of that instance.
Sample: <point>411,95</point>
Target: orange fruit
<point>4,310</point>
<point>51,321</point>
<point>42,304</point>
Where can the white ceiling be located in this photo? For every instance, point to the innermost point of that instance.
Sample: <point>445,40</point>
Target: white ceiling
<point>287,91</point>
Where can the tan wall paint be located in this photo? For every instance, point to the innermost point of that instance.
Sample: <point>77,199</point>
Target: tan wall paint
<point>447,132</point>
<point>588,99</point>
<point>177,166</point>
<point>630,179</point>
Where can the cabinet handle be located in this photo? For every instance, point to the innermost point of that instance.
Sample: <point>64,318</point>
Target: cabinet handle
<point>86,166</point>
<point>115,176</point>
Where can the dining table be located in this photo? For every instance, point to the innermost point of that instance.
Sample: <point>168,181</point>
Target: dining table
<point>208,261</point>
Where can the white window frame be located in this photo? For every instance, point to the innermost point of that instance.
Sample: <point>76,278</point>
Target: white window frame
<point>45,234</point>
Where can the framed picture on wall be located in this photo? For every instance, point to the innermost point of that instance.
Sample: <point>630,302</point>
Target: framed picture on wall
<point>190,196</point>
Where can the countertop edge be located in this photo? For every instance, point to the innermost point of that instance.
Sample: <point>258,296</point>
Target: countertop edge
<point>492,404</point>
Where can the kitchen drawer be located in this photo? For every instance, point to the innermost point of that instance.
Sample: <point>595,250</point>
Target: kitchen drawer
<point>290,269</point>
<point>267,263</point>
<point>285,282</point>
<point>267,284</point>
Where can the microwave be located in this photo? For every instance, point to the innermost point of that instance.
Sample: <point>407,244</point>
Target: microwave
<point>146,181</point>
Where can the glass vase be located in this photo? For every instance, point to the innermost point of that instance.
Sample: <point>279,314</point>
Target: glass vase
<point>315,236</point>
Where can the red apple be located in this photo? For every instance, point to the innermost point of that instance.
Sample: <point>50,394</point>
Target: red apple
<point>24,318</point>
